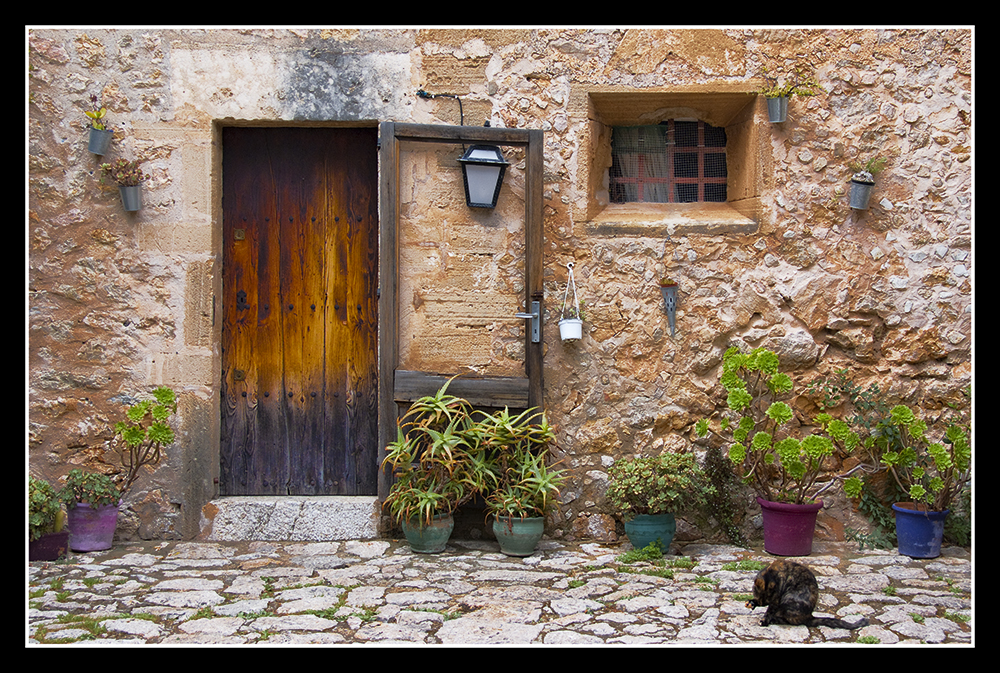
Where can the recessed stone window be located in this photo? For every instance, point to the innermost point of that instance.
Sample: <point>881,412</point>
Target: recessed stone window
<point>733,206</point>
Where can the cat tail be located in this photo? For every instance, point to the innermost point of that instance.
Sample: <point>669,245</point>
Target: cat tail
<point>832,623</point>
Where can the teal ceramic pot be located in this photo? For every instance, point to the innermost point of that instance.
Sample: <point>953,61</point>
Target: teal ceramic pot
<point>429,538</point>
<point>644,529</point>
<point>517,536</point>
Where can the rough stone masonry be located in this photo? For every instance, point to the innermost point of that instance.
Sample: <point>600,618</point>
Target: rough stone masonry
<point>118,303</point>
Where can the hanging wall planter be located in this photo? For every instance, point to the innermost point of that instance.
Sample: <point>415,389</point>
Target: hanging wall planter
<point>570,315</point>
<point>131,197</point>
<point>863,181</point>
<point>100,136</point>
<point>668,288</point>
<point>129,176</point>
<point>777,109</point>
<point>100,141</point>
<point>778,95</point>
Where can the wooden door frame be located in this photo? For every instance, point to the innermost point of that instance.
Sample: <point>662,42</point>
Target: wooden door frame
<point>486,391</point>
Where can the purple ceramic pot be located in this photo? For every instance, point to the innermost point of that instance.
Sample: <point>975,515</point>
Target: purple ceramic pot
<point>788,528</point>
<point>91,528</point>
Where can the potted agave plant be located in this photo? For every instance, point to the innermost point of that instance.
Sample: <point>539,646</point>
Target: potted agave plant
<point>437,466</point>
<point>650,491</point>
<point>129,176</point>
<point>863,181</point>
<point>521,485</point>
<point>100,135</point>
<point>778,95</point>
<point>782,469</point>
<point>933,473</point>
<point>48,539</point>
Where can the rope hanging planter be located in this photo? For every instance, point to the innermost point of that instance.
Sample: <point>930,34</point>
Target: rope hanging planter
<point>570,320</point>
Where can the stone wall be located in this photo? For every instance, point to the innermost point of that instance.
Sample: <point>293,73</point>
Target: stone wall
<point>119,303</point>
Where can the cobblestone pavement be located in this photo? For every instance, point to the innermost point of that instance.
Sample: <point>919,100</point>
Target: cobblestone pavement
<point>378,592</point>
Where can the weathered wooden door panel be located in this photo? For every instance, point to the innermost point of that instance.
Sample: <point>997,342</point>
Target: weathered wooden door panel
<point>300,314</point>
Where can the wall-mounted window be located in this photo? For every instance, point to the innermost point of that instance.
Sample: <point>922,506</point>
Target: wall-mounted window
<point>692,159</point>
<point>675,161</point>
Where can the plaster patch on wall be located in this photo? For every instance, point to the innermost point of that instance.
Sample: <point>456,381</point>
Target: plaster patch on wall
<point>344,86</point>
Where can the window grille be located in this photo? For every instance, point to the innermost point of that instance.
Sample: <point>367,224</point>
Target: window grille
<point>672,162</point>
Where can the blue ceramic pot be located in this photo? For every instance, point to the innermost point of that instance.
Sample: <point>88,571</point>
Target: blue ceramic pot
<point>918,532</point>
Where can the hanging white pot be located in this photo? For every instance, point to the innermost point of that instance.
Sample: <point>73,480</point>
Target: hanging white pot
<point>570,329</point>
<point>570,317</point>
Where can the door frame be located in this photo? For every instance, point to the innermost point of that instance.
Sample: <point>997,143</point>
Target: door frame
<point>486,391</point>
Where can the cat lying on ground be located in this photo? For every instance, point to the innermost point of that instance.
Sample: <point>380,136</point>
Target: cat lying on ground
<point>789,591</point>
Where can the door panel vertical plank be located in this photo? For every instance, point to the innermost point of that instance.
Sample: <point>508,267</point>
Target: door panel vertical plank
<point>271,473</point>
<point>239,325</point>
<point>363,297</point>
<point>337,271</point>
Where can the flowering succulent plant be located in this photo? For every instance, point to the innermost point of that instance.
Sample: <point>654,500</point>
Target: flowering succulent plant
<point>780,467</point>
<point>140,438</point>
<point>97,114</point>
<point>125,173</point>
<point>932,473</point>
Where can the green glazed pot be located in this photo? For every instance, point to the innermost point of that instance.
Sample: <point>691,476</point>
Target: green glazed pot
<point>429,538</point>
<point>517,536</point>
<point>644,529</point>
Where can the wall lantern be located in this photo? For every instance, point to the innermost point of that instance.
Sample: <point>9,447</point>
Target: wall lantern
<point>483,167</point>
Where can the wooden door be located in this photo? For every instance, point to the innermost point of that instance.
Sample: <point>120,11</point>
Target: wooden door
<point>299,333</point>
<point>400,387</point>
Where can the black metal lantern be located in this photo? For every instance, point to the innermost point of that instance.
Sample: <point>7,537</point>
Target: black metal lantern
<point>483,167</point>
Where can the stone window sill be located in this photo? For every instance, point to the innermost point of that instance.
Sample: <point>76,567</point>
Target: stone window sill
<point>661,220</point>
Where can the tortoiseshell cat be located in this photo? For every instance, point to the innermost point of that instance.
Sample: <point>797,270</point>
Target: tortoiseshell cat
<point>789,590</point>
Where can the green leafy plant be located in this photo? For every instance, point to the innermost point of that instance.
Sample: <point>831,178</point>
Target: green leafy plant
<point>801,85</point>
<point>435,460</point>
<point>569,311</point>
<point>779,466</point>
<point>126,173</point>
<point>139,440</point>
<point>667,282</point>
<point>865,171</point>
<point>521,483</point>
<point>933,474</point>
<point>666,483</point>
<point>96,114</point>
<point>91,488</point>
<point>45,513</point>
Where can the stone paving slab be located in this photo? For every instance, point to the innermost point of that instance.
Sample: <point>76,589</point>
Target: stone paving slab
<point>378,592</point>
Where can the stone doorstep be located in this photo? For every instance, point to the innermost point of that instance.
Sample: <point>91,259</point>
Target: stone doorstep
<point>290,518</point>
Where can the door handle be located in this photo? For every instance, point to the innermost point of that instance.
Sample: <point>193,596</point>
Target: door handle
<point>536,321</point>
